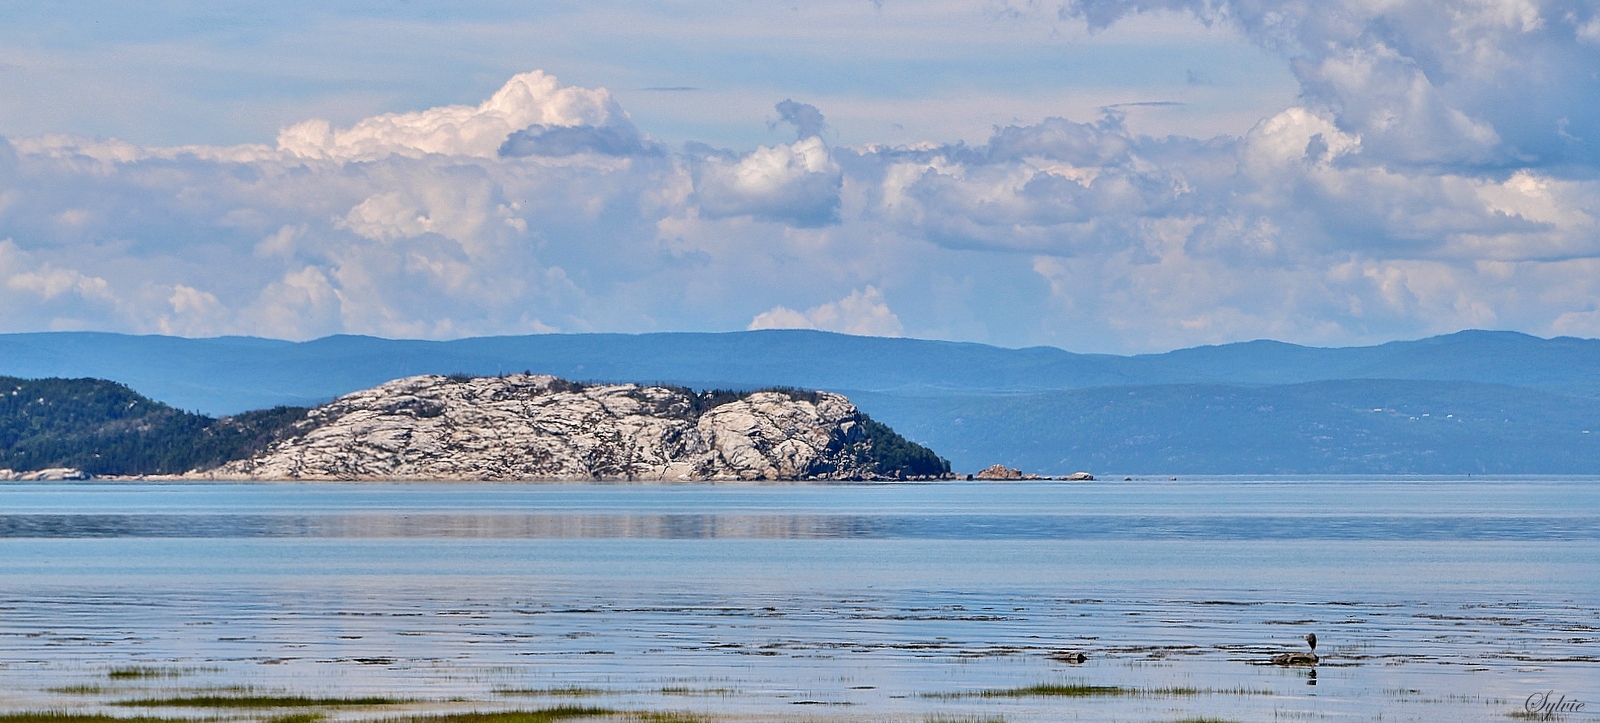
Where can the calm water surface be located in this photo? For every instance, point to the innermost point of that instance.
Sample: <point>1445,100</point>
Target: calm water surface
<point>1432,599</point>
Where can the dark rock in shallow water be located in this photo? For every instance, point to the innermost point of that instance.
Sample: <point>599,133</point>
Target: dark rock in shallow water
<point>1295,659</point>
<point>1068,657</point>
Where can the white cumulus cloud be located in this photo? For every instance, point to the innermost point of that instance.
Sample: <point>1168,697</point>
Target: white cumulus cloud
<point>528,99</point>
<point>1437,172</point>
<point>863,312</point>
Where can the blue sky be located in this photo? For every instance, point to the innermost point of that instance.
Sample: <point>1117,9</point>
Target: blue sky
<point>1100,175</point>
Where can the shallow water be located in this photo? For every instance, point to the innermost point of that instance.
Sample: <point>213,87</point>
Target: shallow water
<point>1432,599</point>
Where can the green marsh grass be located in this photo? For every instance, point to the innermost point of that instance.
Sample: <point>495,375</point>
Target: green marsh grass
<point>257,701</point>
<point>297,718</point>
<point>77,690</point>
<point>668,717</point>
<point>56,716</point>
<point>136,672</point>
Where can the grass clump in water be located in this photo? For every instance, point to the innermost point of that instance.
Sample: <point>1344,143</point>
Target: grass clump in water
<point>668,717</point>
<point>136,672</point>
<point>541,715</point>
<point>256,701</point>
<point>77,690</point>
<point>1063,690</point>
<point>297,718</point>
<point>571,691</point>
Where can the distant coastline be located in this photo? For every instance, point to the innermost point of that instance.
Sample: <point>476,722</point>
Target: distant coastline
<point>1473,402</point>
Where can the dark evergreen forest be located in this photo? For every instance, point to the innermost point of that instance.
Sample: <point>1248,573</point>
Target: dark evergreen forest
<point>106,428</point>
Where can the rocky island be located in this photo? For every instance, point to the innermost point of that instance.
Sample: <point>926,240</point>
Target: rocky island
<point>503,428</point>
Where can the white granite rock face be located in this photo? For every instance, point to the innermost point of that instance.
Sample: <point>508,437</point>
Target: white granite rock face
<point>537,427</point>
<point>49,474</point>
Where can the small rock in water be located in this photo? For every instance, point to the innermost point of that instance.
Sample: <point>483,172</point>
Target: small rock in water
<point>1295,659</point>
<point>1079,477</point>
<point>999,471</point>
<point>1002,472</point>
<point>1069,657</point>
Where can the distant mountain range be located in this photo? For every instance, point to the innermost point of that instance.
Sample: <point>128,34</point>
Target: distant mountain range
<point>1470,402</point>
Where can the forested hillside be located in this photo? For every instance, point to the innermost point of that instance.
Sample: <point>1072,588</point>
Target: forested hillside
<point>104,427</point>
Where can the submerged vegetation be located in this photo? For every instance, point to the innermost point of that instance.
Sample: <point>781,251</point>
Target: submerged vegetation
<point>571,691</point>
<point>540,715</point>
<point>1085,690</point>
<point>683,690</point>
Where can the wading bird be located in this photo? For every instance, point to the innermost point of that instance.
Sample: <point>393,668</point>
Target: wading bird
<point>1311,640</point>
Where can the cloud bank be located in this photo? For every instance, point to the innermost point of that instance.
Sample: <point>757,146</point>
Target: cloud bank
<point>863,313</point>
<point>1437,173</point>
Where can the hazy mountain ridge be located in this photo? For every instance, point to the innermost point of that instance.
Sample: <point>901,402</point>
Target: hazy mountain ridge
<point>231,374</point>
<point>902,382</point>
<point>1357,426</point>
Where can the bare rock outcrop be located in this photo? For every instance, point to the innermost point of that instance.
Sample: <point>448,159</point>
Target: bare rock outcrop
<point>49,474</point>
<point>999,472</point>
<point>529,426</point>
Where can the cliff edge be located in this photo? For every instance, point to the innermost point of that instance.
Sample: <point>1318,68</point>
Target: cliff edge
<point>539,427</point>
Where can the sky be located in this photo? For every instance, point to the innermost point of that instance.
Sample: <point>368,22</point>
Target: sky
<point>1099,175</point>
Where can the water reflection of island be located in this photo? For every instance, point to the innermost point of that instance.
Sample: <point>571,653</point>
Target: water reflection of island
<point>789,526</point>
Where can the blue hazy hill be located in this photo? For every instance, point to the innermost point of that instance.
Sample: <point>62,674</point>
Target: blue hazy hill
<point>230,374</point>
<point>1349,426</point>
<point>976,404</point>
